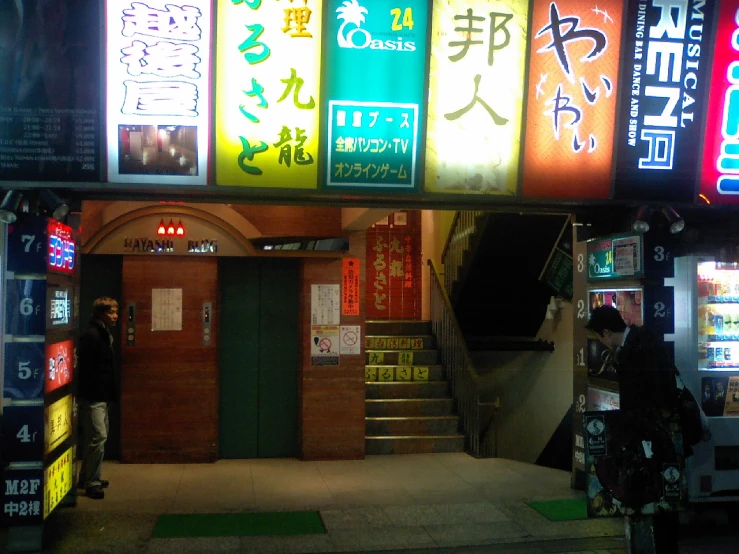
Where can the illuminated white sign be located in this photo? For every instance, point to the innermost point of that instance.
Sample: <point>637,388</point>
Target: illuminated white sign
<point>60,307</point>
<point>158,91</point>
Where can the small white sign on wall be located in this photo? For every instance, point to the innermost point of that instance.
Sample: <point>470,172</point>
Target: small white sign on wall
<point>350,340</point>
<point>166,309</point>
<point>325,304</point>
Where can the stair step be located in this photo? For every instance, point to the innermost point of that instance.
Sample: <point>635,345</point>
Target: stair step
<point>401,357</point>
<point>407,389</point>
<point>413,444</point>
<point>385,373</point>
<point>394,342</point>
<point>397,327</point>
<point>403,407</point>
<point>418,425</point>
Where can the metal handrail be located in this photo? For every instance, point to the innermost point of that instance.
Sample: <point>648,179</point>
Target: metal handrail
<point>458,242</point>
<point>460,371</point>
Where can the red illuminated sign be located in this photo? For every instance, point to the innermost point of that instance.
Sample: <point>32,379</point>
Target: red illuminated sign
<point>61,248</point>
<point>720,175</point>
<point>59,365</point>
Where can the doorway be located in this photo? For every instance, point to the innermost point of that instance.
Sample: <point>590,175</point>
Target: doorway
<point>259,357</point>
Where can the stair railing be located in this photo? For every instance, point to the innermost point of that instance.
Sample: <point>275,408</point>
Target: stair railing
<point>464,226</point>
<point>477,417</point>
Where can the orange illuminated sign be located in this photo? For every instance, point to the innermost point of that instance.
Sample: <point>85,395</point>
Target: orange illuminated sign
<point>571,98</point>
<point>350,286</point>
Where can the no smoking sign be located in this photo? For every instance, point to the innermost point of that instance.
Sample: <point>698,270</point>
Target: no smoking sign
<point>350,339</point>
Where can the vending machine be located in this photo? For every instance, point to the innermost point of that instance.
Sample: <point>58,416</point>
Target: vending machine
<point>707,356</point>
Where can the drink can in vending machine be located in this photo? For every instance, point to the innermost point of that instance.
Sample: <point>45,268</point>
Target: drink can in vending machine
<point>711,354</point>
<point>718,322</point>
<point>727,354</point>
<point>719,354</point>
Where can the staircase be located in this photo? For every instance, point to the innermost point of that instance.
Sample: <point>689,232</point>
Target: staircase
<point>408,405</point>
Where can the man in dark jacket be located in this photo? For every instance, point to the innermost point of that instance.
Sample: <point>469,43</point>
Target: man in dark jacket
<point>647,397</point>
<point>96,390</point>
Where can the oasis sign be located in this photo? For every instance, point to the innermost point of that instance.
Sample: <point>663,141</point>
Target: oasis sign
<point>617,257</point>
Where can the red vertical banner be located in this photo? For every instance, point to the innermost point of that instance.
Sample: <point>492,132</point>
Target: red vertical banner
<point>720,176</point>
<point>571,101</point>
<point>394,267</point>
<point>350,286</point>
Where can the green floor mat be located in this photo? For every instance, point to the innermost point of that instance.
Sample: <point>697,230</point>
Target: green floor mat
<point>567,509</point>
<point>238,525</point>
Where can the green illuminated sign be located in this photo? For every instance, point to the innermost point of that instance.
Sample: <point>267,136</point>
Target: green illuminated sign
<point>374,76</point>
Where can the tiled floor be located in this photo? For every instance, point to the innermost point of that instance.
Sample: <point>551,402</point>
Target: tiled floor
<point>380,503</point>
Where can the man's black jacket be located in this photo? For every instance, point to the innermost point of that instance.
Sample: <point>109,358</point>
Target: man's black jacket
<point>95,363</point>
<point>646,373</point>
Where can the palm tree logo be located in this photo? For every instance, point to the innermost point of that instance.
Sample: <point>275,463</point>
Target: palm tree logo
<point>351,13</point>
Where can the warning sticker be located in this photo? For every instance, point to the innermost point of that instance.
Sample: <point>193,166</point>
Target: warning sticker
<point>324,347</point>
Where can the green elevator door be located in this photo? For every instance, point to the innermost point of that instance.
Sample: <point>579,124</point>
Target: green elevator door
<point>259,339</point>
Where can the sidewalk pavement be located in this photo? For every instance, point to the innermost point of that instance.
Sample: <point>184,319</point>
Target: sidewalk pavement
<point>427,503</point>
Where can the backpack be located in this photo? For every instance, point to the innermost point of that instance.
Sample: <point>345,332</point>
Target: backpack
<point>689,412</point>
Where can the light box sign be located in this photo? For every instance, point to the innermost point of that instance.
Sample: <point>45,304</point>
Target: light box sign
<point>478,58</point>
<point>58,423</point>
<point>49,91</point>
<point>720,172</point>
<point>58,480</point>
<point>268,61</point>
<point>615,258</point>
<point>59,365</point>
<point>571,110</point>
<point>62,248</point>
<point>666,80</point>
<point>158,91</point>
<point>374,81</point>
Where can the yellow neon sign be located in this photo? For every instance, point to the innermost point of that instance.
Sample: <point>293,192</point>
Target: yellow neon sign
<point>268,63</point>
<point>58,480</point>
<point>58,425</point>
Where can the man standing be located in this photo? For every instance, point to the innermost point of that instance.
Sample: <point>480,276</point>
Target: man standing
<point>96,390</point>
<point>648,398</point>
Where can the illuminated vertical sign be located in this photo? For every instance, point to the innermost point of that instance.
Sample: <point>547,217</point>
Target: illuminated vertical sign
<point>62,248</point>
<point>50,91</point>
<point>720,172</point>
<point>665,82</point>
<point>158,91</point>
<point>59,365</point>
<point>58,423</point>
<point>571,98</point>
<point>478,57</point>
<point>268,61</point>
<point>374,76</point>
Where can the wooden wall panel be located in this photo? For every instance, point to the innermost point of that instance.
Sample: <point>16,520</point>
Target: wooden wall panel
<point>332,425</point>
<point>169,382</point>
<point>293,221</point>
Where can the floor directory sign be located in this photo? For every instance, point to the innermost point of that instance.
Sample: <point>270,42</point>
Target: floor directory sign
<point>49,90</point>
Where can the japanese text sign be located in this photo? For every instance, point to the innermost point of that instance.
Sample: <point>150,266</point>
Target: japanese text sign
<point>58,426</point>
<point>58,480</point>
<point>59,364</point>
<point>49,91</point>
<point>662,113</point>
<point>720,172</point>
<point>573,76</point>
<point>267,101</point>
<point>62,250</point>
<point>350,286</point>
<point>22,496</point>
<point>374,80</point>
<point>478,56</point>
<point>158,91</point>
<point>615,258</point>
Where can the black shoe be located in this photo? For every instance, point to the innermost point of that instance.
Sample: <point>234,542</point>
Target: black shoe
<point>96,492</point>
<point>104,483</point>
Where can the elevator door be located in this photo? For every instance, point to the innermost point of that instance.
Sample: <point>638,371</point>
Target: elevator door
<point>259,358</point>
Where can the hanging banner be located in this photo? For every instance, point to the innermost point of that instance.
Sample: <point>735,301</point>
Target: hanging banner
<point>350,286</point>
<point>374,81</point>
<point>158,91</point>
<point>720,172</point>
<point>666,72</point>
<point>478,58</point>
<point>571,99</point>
<point>268,62</point>
<point>49,91</point>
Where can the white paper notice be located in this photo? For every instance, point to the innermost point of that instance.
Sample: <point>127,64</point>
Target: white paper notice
<point>350,340</point>
<point>166,309</point>
<point>325,304</point>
